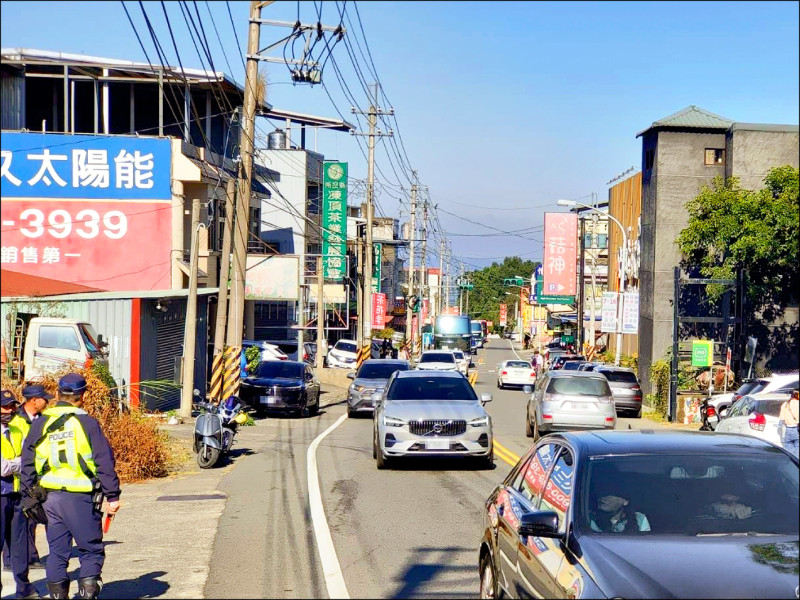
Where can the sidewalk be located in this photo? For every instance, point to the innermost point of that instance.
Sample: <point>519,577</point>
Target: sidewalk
<point>160,544</point>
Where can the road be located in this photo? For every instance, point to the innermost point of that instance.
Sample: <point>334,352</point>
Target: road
<point>412,531</point>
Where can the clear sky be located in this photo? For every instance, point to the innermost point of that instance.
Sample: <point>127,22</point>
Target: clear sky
<point>500,105</point>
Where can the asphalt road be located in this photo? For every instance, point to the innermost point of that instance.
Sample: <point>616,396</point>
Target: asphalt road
<point>412,531</point>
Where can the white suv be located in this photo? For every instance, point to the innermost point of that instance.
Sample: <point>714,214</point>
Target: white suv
<point>343,355</point>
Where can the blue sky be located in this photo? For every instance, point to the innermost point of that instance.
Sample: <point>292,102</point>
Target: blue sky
<point>500,105</point>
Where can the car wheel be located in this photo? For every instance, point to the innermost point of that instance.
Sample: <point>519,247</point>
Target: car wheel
<point>314,411</point>
<point>488,582</point>
<point>374,445</point>
<point>637,414</point>
<point>536,433</point>
<point>487,462</point>
<point>528,428</point>
<point>380,460</point>
<point>351,414</point>
<point>304,412</point>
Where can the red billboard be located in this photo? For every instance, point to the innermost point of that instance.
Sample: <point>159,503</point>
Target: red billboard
<point>560,254</point>
<point>378,311</point>
<point>85,209</point>
<point>503,315</point>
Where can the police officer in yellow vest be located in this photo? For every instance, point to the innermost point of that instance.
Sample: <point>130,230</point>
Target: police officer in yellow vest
<point>73,454</point>
<point>15,525</point>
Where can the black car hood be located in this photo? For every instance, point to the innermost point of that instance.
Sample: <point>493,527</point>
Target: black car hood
<point>273,381</point>
<point>680,567</point>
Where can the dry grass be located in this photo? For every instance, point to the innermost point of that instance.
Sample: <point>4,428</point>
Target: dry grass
<point>141,450</point>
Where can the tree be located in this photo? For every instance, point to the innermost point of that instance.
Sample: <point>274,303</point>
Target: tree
<point>489,292</point>
<point>731,228</point>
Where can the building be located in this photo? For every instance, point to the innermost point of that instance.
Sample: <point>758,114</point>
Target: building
<point>682,153</point>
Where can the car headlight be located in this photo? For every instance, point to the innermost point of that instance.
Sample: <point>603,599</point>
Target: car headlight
<point>392,422</point>
<point>480,422</point>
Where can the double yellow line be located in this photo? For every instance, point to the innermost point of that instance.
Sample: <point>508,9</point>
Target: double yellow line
<point>473,378</point>
<point>504,453</point>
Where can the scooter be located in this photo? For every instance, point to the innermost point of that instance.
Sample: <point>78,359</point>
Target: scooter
<point>708,415</point>
<point>215,429</point>
<point>232,416</point>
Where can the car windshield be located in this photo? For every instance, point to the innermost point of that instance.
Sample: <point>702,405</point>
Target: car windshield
<point>379,370</point>
<point>476,327</point>
<point>692,495</point>
<point>518,364</point>
<point>452,325</point>
<point>279,370</point>
<point>437,357</point>
<point>620,376</point>
<point>746,387</point>
<point>579,386</point>
<point>89,338</point>
<point>345,346</point>
<point>431,388</point>
<point>458,354</point>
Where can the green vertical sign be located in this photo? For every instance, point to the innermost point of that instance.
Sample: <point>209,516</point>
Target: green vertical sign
<point>334,220</point>
<point>377,248</point>
<point>702,353</point>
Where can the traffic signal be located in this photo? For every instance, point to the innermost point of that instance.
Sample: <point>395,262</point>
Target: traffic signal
<point>509,281</point>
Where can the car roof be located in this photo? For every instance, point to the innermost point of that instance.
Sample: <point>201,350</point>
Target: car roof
<point>615,368</point>
<point>768,396</point>
<point>587,374</point>
<point>386,361</point>
<point>600,442</point>
<point>450,374</point>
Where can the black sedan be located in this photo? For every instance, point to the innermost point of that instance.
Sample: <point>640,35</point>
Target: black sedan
<point>285,386</point>
<point>645,514</point>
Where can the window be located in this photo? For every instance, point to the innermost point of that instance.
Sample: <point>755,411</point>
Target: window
<point>649,158</point>
<point>530,481</point>
<point>715,157</point>
<point>431,388</point>
<point>579,386</point>
<point>55,336</point>
<point>557,494</point>
<point>602,240</point>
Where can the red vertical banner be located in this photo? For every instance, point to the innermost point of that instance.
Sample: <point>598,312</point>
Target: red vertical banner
<point>503,315</point>
<point>425,309</point>
<point>560,253</point>
<point>378,311</point>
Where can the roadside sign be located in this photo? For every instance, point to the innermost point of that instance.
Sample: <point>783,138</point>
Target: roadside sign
<point>377,249</point>
<point>630,312</point>
<point>750,351</point>
<point>609,312</point>
<point>378,311</point>
<point>540,298</point>
<point>560,253</point>
<point>503,315</point>
<point>702,353</point>
<point>334,220</point>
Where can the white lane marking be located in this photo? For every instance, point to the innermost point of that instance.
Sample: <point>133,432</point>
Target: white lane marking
<point>514,350</point>
<point>334,580</point>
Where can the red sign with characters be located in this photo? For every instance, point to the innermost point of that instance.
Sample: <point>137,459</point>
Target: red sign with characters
<point>560,254</point>
<point>503,315</point>
<point>378,311</point>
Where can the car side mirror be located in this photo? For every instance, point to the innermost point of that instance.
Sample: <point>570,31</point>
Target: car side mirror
<point>376,398</point>
<point>486,398</point>
<point>101,343</point>
<point>539,524</point>
<point>351,375</point>
<point>528,389</point>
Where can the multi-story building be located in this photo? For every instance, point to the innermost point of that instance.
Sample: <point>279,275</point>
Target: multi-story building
<point>682,153</point>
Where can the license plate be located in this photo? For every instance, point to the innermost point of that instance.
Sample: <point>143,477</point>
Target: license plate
<point>268,399</point>
<point>437,445</point>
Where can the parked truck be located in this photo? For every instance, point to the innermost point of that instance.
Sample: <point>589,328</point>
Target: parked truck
<point>39,345</point>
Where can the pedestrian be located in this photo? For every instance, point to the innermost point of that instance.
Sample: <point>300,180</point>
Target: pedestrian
<point>788,422</point>
<point>15,523</point>
<point>538,362</point>
<point>387,348</point>
<point>67,454</point>
<point>35,401</point>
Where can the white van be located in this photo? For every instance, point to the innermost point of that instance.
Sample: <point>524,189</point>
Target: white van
<point>54,343</point>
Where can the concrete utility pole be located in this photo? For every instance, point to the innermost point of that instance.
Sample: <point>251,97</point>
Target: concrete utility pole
<point>320,313</point>
<point>372,120</point>
<point>190,328</point>
<point>236,314</point>
<point>447,280</point>
<point>423,267</point>
<point>439,300</point>
<point>412,234</point>
<point>225,268</point>
<point>359,286</point>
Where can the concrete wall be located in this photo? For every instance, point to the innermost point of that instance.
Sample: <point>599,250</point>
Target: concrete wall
<point>752,150</point>
<point>283,211</point>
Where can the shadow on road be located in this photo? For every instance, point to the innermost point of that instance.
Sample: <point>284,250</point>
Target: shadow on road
<point>145,586</point>
<point>432,572</point>
<point>437,464</point>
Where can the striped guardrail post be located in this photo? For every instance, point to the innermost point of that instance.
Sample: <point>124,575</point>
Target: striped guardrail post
<point>363,354</point>
<point>231,379</point>
<point>217,372</point>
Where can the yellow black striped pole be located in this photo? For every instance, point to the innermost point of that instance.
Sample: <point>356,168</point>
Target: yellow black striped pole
<point>363,354</point>
<point>216,376</point>
<point>231,380</point>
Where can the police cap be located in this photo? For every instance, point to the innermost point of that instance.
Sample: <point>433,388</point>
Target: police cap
<point>35,390</point>
<point>72,383</point>
<point>7,398</point>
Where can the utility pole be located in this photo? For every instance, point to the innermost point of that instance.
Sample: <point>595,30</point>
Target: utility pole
<point>423,267</point>
<point>447,280</point>
<point>320,313</point>
<point>359,287</point>
<point>372,120</point>
<point>439,300</point>
<point>190,327</point>
<point>412,233</point>
<point>581,285</point>
<point>236,318</point>
<point>225,268</point>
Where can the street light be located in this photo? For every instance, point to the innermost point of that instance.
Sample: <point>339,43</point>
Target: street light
<point>571,203</point>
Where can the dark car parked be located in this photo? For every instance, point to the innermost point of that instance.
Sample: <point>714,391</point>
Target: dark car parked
<point>558,362</point>
<point>625,388</point>
<point>282,386</point>
<point>620,514</point>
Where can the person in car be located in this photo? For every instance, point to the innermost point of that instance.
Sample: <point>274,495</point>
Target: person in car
<point>612,515</point>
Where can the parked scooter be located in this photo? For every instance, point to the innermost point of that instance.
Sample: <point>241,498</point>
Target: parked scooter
<point>215,429</point>
<point>708,415</point>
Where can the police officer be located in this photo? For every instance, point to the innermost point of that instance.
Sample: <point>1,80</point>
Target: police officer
<point>72,455</point>
<point>35,401</point>
<point>15,525</point>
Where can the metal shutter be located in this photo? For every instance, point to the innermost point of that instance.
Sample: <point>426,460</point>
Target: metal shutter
<point>169,349</point>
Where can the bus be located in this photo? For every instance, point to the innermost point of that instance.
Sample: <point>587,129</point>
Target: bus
<point>452,332</point>
<point>477,334</point>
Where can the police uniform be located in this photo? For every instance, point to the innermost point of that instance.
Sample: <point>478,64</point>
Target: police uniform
<point>66,463</point>
<point>22,421</point>
<point>15,525</point>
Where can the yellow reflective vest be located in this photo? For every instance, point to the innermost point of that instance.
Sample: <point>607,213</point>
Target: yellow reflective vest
<point>20,423</point>
<point>64,458</point>
<point>12,449</point>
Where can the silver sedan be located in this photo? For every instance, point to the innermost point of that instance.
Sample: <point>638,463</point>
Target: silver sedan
<point>431,414</point>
